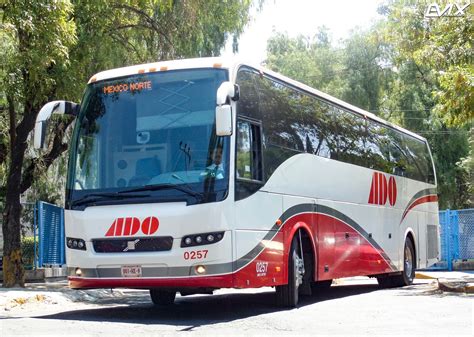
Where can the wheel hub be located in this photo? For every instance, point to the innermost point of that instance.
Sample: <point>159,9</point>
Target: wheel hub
<point>408,262</point>
<point>299,270</point>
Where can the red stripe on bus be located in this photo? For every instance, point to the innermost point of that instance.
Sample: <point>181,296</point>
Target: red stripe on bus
<point>419,201</point>
<point>339,246</point>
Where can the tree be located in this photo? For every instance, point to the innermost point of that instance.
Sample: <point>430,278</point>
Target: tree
<point>52,47</point>
<point>311,60</point>
<point>442,45</point>
<point>399,70</point>
<point>432,93</point>
<point>36,50</point>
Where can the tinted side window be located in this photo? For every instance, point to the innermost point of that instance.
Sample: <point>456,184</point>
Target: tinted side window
<point>248,165</point>
<point>419,164</point>
<point>379,145</point>
<point>316,126</point>
<point>282,138</point>
<point>294,121</point>
<point>349,137</point>
<point>248,104</point>
<point>280,111</point>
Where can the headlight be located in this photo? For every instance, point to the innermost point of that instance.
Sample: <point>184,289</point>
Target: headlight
<point>73,243</point>
<point>201,239</point>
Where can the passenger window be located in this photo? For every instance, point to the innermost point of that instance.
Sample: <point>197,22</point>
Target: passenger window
<point>249,164</point>
<point>249,147</point>
<point>244,159</point>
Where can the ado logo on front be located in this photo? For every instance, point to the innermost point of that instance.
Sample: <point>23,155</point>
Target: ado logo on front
<point>131,226</point>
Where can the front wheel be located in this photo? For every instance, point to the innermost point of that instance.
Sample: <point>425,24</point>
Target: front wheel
<point>162,297</point>
<point>321,286</point>
<point>287,295</point>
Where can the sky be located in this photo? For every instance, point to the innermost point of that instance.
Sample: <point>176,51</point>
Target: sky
<point>302,17</point>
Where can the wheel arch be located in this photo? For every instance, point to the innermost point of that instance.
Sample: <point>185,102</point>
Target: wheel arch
<point>410,234</point>
<point>309,244</point>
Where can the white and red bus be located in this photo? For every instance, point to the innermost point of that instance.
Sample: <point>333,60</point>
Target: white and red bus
<point>193,175</point>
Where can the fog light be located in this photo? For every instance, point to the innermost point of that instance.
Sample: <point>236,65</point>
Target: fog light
<point>80,244</point>
<point>210,238</point>
<point>200,269</point>
<point>188,241</point>
<point>78,272</point>
<point>198,239</point>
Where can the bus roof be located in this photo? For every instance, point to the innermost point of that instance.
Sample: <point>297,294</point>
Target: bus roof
<point>233,64</point>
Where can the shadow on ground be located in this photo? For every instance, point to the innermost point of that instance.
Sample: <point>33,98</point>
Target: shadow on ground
<point>195,311</point>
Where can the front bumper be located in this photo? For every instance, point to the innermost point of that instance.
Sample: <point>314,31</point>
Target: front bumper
<point>214,281</point>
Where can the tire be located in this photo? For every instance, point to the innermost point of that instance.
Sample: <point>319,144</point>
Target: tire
<point>287,295</point>
<point>162,297</point>
<point>385,281</point>
<point>409,264</point>
<point>321,286</point>
<point>408,273</point>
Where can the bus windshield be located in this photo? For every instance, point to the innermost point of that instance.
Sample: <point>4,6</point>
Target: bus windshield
<point>136,133</point>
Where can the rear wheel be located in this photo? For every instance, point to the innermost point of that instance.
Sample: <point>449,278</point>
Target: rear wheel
<point>162,297</point>
<point>287,295</point>
<point>408,273</point>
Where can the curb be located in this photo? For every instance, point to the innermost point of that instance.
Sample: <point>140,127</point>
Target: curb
<point>456,286</point>
<point>422,276</point>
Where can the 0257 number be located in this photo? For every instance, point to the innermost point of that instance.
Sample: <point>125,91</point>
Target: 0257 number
<point>195,254</point>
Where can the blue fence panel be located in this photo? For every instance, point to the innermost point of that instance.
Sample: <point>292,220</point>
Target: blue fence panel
<point>466,233</point>
<point>456,235</point>
<point>443,223</point>
<point>51,235</point>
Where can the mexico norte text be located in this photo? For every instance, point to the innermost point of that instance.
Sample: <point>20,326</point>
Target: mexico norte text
<point>450,10</point>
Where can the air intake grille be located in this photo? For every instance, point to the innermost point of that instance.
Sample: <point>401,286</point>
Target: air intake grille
<point>433,241</point>
<point>133,245</point>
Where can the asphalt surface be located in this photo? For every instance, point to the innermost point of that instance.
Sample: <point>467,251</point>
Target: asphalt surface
<point>352,307</point>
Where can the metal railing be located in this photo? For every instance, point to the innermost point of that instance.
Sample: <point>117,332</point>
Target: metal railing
<point>49,222</point>
<point>456,235</point>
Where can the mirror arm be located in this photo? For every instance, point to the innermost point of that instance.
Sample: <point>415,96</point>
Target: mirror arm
<point>225,90</point>
<point>56,107</point>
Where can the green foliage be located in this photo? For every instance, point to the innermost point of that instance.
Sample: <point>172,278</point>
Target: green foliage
<point>413,71</point>
<point>443,46</point>
<point>36,48</point>
<point>311,60</point>
<point>28,251</point>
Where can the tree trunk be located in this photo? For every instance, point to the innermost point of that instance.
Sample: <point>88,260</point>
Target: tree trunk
<point>13,273</point>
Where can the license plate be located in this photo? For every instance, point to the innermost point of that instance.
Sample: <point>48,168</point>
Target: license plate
<point>131,271</point>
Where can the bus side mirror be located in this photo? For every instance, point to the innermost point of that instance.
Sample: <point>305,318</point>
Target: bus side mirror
<point>56,107</point>
<point>223,120</point>
<point>224,110</point>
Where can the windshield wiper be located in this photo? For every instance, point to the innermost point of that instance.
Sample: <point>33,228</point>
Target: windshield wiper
<point>181,188</point>
<point>92,197</point>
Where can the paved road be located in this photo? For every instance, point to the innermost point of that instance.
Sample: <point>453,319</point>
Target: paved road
<point>351,309</point>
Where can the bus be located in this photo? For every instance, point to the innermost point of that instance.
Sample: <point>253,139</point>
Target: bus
<point>194,175</point>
